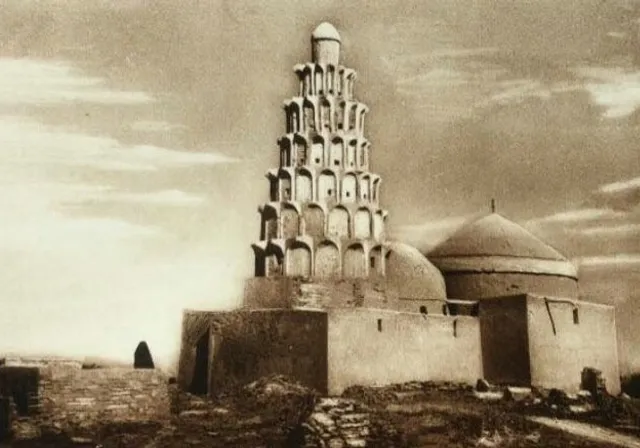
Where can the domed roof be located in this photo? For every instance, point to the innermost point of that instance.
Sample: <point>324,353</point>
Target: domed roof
<point>325,31</point>
<point>495,244</point>
<point>411,274</point>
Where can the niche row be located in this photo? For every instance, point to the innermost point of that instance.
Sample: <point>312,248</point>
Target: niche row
<point>289,220</point>
<point>325,79</point>
<point>306,185</point>
<point>321,114</point>
<point>336,152</point>
<point>327,259</point>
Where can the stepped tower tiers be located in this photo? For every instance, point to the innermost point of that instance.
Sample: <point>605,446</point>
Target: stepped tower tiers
<point>323,219</point>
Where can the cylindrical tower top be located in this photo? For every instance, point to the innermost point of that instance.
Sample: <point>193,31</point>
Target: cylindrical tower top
<point>325,43</point>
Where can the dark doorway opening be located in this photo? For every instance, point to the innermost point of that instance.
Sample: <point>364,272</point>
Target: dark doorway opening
<point>199,382</point>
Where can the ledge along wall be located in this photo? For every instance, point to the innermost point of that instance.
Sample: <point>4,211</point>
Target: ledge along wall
<point>566,337</point>
<point>226,349</point>
<point>376,347</point>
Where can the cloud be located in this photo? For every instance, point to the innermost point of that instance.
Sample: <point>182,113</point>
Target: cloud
<point>622,195</point>
<point>163,198</point>
<point>27,143</point>
<point>427,235</point>
<point>155,126</point>
<point>616,89</point>
<point>37,82</point>
<point>617,187</point>
<point>620,229</point>
<point>618,260</point>
<point>579,215</point>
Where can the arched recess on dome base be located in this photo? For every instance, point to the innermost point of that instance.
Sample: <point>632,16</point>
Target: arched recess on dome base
<point>298,259</point>
<point>378,225</point>
<point>270,222</point>
<point>314,217</point>
<point>362,223</point>
<point>327,185</point>
<point>290,218</point>
<point>304,185</point>
<point>317,151</point>
<point>349,187</point>
<point>377,261</point>
<point>354,265</point>
<point>260,260</point>
<point>336,152</point>
<point>328,260</point>
<point>274,260</point>
<point>339,222</point>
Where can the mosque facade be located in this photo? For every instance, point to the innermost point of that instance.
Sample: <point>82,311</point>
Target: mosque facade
<point>334,303</point>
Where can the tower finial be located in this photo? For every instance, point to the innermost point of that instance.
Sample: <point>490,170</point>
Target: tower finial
<point>493,205</point>
<point>325,41</point>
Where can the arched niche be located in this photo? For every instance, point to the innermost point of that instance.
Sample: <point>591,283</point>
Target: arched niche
<point>314,220</point>
<point>338,224</point>
<point>273,261</point>
<point>353,111</point>
<point>285,152</point>
<point>269,223</point>
<point>362,153</point>
<point>376,262</point>
<point>361,120</point>
<point>260,260</point>
<point>362,223</point>
<point>327,260</point>
<point>274,187</point>
<point>339,113</point>
<point>349,186</point>
<point>309,114</point>
<point>354,262</point>
<point>351,154</point>
<point>319,80</point>
<point>304,185</point>
<point>325,112</point>
<point>294,109</point>
<point>285,185</point>
<point>290,221</point>
<point>300,145</point>
<point>331,79</point>
<point>336,152</point>
<point>375,189</point>
<point>317,151</point>
<point>365,188</point>
<point>298,260</point>
<point>378,225</point>
<point>327,185</point>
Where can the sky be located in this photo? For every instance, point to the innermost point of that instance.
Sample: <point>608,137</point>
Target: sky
<point>135,135</point>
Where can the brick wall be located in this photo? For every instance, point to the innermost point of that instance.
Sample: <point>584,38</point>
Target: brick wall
<point>121,394</point>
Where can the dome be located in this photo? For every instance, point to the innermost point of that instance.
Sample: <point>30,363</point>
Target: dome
<point>494,244</point>
<point>411,274</point>
<point>325,31</point>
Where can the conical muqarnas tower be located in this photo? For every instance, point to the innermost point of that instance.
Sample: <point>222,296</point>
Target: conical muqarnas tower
<point>323,220</point>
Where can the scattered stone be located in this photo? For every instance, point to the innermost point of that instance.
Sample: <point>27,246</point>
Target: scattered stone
<point>483,385</point>
<point>193,412</point>
<point>517,393</point>
<point>82,441</point>
<point>142,357</point>
<point>489,396</point>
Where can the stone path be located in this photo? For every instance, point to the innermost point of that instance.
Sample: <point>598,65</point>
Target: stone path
<point>588,431</point>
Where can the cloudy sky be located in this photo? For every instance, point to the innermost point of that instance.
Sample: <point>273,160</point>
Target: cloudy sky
<point>134,138</point>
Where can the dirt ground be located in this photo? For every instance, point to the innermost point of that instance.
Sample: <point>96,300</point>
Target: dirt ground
<point>269,414</point>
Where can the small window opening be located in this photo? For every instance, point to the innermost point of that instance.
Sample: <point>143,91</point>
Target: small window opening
<point>351,163</point>
<point>329,192</point>
<point>576,317</point>
<point>317,160</point>
<point>348,194</point>
<point>379,324</point>
<point>287,193</point>
<point>455,328</point>
<point>372,262</point>
<point>364,196</point>
<point>336,162</point>
<point>423,310</point>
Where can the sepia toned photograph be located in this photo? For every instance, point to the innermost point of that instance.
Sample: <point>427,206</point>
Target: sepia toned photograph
<point>320,223</point>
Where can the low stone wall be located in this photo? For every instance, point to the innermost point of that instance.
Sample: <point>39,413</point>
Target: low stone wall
<point>337,423</point>
<point>117,394</point>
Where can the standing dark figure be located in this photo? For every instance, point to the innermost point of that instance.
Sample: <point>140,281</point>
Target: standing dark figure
<point>142,357</point>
